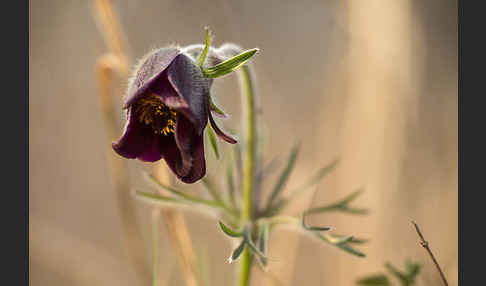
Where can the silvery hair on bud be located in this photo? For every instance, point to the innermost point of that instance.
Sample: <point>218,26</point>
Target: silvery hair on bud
<point>213,58</point>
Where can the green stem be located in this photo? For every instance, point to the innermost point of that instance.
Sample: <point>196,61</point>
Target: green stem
<point>248,106</point>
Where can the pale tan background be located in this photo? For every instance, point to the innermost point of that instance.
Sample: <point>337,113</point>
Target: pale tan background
<point>372,82</point>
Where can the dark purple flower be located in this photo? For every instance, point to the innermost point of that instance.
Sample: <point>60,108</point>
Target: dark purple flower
<point>167,111</point>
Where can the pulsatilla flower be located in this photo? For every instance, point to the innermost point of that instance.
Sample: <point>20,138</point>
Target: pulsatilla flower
<point>167,111</point>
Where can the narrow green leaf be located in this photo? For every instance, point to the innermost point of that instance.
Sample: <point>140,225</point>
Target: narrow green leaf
<point>229,231</point>
<point>375,280</point>
<point>319,175</point>
<point>275,208</point>
<point>180,194</point>
<point>266,170</point>
<point>352,196</point>
<point>339,239</point>
<point>341,243</point>
<point>229,65</point>
<point>350,250</point>
<point>398,274</point>
<point>285,174</point>
<point>253,248</point>
<point>230,185</point>
<point>413,269</point>
<point>215,194</point>
<point>263,242</point>
<point>316,228</point>
<point>237,252</point>
<point>341,205</point>
<point>353,240</point>
<point>313,228</point>
<point>212,140</point>
<point>215,108</point>
<point>156,198</point>
<point>238,160</point>
<point>202,57</point>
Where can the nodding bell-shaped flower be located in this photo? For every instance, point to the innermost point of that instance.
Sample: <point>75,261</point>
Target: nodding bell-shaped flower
<point>168,108</point>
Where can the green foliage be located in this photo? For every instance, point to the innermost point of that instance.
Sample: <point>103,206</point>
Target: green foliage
<point>212,141</point>
<point>308,185</point>
<point>246,241</point>
<point>215,108</point>
<point>406,278</point>
<point>237,252</point>
<point>253,248</point>
<point>229,231</point>
<point>313,228</point>
<point>342,206</point>
<point>375,280</point>
<point>202,57</point>
<point>270,215</point>
<point>263,220</point>
<point>230,186</point>
<point>285,174</point>
<point>263,242</point>
<point>229,65</point>
<point>223,201</point>
<point>181,195</point>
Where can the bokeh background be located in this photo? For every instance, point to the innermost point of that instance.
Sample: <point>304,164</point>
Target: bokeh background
<point>371,82</point>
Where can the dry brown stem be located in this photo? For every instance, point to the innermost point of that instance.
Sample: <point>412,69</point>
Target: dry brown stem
<point>133,240</point>
<point>425,244</point>
<point>117,61</point>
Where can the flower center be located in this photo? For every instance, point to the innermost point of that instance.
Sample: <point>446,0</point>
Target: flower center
<point>151,111</point>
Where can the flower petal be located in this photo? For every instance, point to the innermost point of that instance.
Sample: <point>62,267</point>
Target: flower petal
<point>185,135</point>
<point>152,154</point>
<point>188,81</point>
<point>219,132</point>
<point>172,158</point>
<point>148,71</point>
<point>185,154</point>
<point>171,153</point>
<point>137,141</point>
<point>198,169</point>
<point>164,90</point>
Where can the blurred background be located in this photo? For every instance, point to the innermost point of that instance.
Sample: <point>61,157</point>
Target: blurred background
<point>371,82</point>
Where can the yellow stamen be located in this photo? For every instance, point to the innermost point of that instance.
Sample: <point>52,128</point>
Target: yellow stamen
<point>151,111</point>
